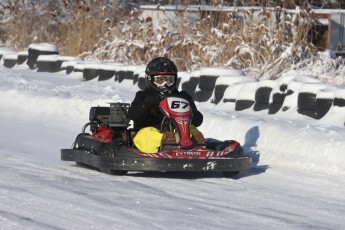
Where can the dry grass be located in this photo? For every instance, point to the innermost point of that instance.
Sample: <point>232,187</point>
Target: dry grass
<point>74,29</point>
<point>256,43</point>
<point>263,47</point>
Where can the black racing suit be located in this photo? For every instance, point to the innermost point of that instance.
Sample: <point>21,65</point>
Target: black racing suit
<point>145,112</point>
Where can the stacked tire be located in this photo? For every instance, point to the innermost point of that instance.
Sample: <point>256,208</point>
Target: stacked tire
<point>246,96</point>
<point>223,82</point>
<point>37,49</point>
<point>262,94</point>
<point>190,85</point>
<point>306,103</point>
<point>207,82</point>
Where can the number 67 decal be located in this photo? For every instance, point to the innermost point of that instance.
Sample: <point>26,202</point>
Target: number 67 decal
<point>178,104</point>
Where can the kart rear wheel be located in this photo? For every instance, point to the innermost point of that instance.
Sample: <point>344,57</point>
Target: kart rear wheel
<point>114,172</point>
<point>119,172</point>
<point>230,173</point>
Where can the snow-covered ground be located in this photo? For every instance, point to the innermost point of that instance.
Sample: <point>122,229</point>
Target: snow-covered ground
<point>296,180</point>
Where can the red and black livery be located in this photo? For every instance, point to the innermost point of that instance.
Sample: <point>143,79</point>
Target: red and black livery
<point>109,147</point>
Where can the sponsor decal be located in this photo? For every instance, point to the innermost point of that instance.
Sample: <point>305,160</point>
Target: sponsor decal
<point>211,165</point>
<point>191,154</point>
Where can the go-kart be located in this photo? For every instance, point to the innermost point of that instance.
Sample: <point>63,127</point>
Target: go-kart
<point>109,147</point>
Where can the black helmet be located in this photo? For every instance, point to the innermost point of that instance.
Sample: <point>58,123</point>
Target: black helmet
<point>161,66</point>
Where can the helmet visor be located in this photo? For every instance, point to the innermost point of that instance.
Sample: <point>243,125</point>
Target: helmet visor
<point>161,80</point>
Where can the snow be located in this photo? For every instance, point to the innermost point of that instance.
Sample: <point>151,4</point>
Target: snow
<point>43,47</point>
<point>296,180</point>
<point>215,72</point>
<point>11,56</point>
<point>246,92</point>
<point>48,58</point>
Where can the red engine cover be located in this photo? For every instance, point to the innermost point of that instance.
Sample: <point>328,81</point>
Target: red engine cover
<point>103,133</point>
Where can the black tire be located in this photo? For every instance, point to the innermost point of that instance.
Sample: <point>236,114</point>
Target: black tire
<point>22,58</point>
<point>230,174</point>
<point>262,95</point>
<point>69,69</point>
<point>113,172</point>
<point>219,93</point>
<point>120,75</point>
<point>207,82</point>
<point>306,104</point>
<point>202,95</point>
<point>33,55</point>
<point>277,103</point>
<point>141,83</point>
<point>191,84</point>
<point>283,87</point>
<point>306,101</point>
<point>129,74</point>
<point>340,102</point>
<point>119,172</point>
<point>323,105</point>
<point>258,106</point>
<point>81,164</point>
<point>278,98</point>
<point>46,66</point>
<point>89,74</point>
<point>135,78</point>
<point>58,65</point>
<point>106,74</point>
<point>274,108</point>
<point>243,104</point>
<point>10,63</point>
<point>228,100</point>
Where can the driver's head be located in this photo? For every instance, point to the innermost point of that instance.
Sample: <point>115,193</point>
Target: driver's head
<point>161,75</point>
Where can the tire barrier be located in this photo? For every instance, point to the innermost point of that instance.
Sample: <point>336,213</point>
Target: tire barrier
<point>68,66</point>
<point>231,92</point>
<point>190,85</point>
<point>285,95</point>
<point>291,96</point>
<point>10,59</point>
<point>207,81</point>
<point>181,77</point>
<point>278,94</point>
<point>138,72</point>
<point>230,89</point>
<point>4,50</point>
<point>339,98</point>
<point>276,102</point>
<point>51,63</point>
<point>262,94</point>
<point>107,71</point>
<point>38,49</point>
<point>336,112</point>
<point>47,63</point>
<point>120,73</point>
<point>141,81</point>
<point>90,71</point>
<point>22,57</point>
<point>184,77</point>
<point>223,82</point>
<point>246,96</point>
<point>306,103</point>
<point>324,101</point>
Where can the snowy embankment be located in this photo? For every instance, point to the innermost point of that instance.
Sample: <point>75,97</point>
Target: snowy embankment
<point>295,182</point>
<point>235,106</point>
